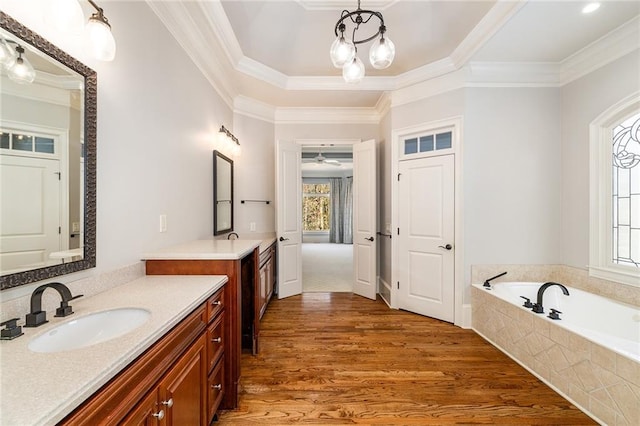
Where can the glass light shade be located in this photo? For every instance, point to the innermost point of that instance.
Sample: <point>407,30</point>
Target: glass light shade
<point>65,16</point>
<point>7,54</point>
<point>342,51</point>
<point>22,72</point>
<point>382,53</point>
<point>353,72</point>
<point>235,151</point>
<point>102,42</point>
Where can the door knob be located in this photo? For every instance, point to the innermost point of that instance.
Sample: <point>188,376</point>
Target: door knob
<point>447,247</point>
<point>284,239</point>
<point>369,239</point>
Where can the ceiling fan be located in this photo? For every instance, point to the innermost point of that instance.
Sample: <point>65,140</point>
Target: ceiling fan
<point>321,159</point>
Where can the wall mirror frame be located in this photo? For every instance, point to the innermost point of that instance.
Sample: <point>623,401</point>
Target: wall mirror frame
<point>33,42</point>
<point>222,193</point>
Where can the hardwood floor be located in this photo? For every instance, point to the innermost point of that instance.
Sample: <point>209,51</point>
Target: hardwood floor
<point>337,358</point>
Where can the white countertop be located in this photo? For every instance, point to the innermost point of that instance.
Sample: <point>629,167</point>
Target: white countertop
<point>42,388</point>
<point>212,249</point>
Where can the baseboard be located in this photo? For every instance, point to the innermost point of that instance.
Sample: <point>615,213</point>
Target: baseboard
<point>466,317</point>
<point>384,290</point>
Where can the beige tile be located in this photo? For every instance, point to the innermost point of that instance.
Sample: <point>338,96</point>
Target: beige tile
<point>579,396</point>
<point>558,360</point>
<point>603,357</point>
<point>584,371</point>
<point>627,402</point>
<point>603,397</point>
<point>606,377</point>
<point>602,412</point>
<point>559,335</point>
<point>621,421</point>
<point>574,357</point>
<point>628,369</point>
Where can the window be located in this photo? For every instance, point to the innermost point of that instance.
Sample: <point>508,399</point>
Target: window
<point>27,143</point>
<point>316,206</point>
<point>615,194</point>
<point>427,143</point>
<point>626,192</point>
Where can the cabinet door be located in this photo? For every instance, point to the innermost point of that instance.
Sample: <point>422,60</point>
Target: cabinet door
<point>263,288</point>
<point>146,412</point>
<point>183,390</point>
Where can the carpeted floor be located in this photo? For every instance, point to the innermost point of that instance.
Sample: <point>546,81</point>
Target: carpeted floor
<point>327,267</point>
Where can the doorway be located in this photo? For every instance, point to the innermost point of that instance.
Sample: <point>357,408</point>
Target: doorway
<point>327,218</point>
<point>289,163</point>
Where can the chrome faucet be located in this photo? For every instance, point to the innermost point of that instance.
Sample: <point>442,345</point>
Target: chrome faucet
<point>537,307</point>
<point>37,316</point>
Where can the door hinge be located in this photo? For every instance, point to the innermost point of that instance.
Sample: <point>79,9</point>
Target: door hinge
<point>398,231</point>
<point>59,229</point>
<point>398,285</point>
<point>399,176</point>
<point>59,175</point>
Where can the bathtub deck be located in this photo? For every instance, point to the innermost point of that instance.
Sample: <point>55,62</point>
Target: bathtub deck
<point>337,358</point>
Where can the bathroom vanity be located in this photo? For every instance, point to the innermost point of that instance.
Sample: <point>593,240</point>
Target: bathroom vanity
<point>170,365</point>
<point>245,300</point>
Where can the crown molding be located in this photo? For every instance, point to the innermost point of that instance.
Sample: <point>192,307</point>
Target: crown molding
<point>219,22</point>
<point>38,91</point>
<point>287,115</point>
<point>619,42</point>
<point>490,24</point>
<point>512,74</point>
<point>196,40</point>
<point>383,106</point>
<point>426,89</point>
<point>250,107</point>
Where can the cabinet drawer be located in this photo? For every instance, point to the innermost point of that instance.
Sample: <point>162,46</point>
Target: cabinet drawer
<point>216,389</point>
<point>215,304</point>
<point>215,343</point>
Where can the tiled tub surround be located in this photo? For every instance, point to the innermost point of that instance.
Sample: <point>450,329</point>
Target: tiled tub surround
<point>603,383</point>
<point>42,388</point>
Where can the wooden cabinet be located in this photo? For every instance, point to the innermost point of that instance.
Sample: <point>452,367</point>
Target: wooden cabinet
<point>267,277</point>
<point>169,384</point>
<point>240,301</point>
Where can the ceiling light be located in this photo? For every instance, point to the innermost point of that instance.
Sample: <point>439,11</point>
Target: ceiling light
<point>591,7</point>
<point>21,71</point>
<point>344,51</point>
<point>8,54</point>
<point>100,36</point>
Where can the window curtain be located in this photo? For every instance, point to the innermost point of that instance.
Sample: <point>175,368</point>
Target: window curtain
<point>341,210</point>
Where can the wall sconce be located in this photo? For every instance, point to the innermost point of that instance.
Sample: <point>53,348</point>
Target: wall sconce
<point>18,67</point>
<point>67,17</point>
<point>227,142</point>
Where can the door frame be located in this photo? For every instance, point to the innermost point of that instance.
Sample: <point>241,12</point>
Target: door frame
<point>462,317</point>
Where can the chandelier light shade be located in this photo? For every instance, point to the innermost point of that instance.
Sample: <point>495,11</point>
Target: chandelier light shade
<point>102,42</point>
<point>344,51</point>
<point>22,71</point>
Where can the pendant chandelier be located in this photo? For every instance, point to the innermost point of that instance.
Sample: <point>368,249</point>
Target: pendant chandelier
<point>344,50</point>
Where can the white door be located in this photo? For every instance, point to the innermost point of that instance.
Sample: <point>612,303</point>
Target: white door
<point>30,219</point>
<point>365,219</point>
<point>426,236</point>
<point>289,218</point>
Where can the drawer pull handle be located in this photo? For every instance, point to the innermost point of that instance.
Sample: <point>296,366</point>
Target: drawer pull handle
<point>159,415</point>
<point>216,303</point>
<point>217,340</point>
<point>217,387</point>
<point>168,403</point>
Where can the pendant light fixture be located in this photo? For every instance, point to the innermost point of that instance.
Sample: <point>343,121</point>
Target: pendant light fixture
<point>344,51</point>
<point>21,71</point>
<point>102,42</point>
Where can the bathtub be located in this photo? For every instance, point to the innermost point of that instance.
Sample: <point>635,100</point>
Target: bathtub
<point>603,321</point>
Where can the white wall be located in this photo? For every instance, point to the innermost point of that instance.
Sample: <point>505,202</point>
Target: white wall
<point>156,120</point>
<point>582,101</point>
<point>512,176</point>
<point>292,132</point>
<point>254,175</point>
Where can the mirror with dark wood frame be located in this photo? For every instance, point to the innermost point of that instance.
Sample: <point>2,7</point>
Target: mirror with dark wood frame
<point>222,194</point>
<point>47,128</point>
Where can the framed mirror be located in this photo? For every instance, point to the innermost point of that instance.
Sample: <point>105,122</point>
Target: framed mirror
<point>47,160</point>
<point>222,194</point>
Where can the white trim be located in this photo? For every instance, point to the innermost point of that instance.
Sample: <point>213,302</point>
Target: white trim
<point>397,135</point>
<point>252,108</point>
<point>327,115</point>
<point>466,320</point>
<point>383,283</point>
<point>600,249</point>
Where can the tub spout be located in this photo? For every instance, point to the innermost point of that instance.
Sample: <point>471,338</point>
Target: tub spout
<point>487,282</point>
<point>537,307</point>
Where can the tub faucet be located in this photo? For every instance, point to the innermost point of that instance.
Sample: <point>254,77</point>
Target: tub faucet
<point>487,282</point>
<point>537,307</point>
<point>37,316</point>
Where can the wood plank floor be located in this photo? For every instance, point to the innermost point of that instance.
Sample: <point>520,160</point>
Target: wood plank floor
<point>337,358</point>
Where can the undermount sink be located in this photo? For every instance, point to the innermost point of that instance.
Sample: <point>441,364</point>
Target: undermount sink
<point>90,329</point>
